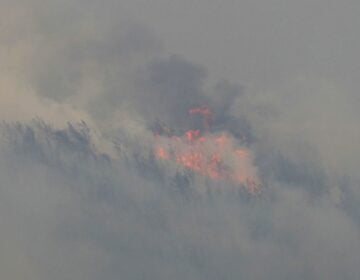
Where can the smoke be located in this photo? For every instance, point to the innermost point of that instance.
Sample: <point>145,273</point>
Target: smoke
<point>78,211</point>
<point>119,159</point>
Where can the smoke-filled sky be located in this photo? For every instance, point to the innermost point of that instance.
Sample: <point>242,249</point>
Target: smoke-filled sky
<point>106,172</point>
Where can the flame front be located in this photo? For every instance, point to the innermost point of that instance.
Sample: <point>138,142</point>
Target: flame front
<point>215,156</point>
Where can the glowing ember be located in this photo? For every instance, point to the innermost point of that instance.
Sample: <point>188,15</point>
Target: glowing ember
<point>212,155</point>
<point>161,153</point>
<point>192,134</point>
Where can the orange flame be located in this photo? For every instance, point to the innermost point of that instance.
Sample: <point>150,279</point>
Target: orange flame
<point>210,155</point>
<point>161,153</point>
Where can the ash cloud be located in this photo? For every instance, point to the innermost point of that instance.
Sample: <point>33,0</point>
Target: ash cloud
<point>84,86</point>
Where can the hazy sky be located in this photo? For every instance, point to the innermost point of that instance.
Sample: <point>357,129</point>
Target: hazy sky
<point>83,86</point>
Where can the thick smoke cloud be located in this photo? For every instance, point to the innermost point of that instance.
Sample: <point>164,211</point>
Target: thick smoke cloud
<point>80,213</point>
<point>86,91</point>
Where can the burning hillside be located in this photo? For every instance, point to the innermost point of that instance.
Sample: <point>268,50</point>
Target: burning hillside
<point>217,156</point>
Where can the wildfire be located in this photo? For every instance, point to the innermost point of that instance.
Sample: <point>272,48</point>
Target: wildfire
<point>161,153</point>
<point>215,156</point>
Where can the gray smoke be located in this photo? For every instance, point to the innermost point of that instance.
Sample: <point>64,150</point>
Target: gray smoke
<point>85,85</point>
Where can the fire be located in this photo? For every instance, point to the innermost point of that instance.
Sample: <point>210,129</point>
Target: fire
<point>215,156</point>
<point>192,134</point>
<point>203,110</point>
<point>161,153</point>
